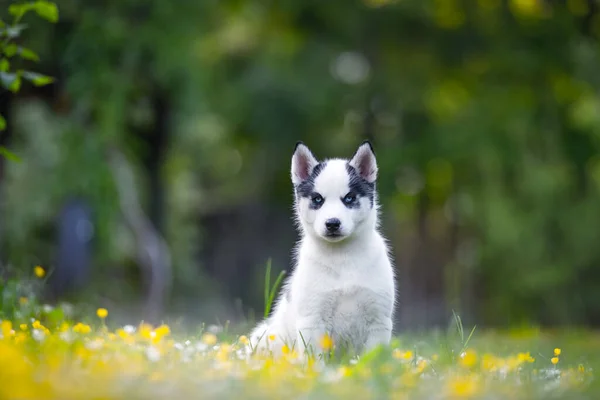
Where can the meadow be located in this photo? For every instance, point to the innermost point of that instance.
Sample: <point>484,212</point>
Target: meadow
<point>57,352</point>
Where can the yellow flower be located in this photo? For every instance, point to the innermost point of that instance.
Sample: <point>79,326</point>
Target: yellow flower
<point>146,330</point>
<point>326,342</point>
<point>581,368</point>
<point>243,340</point>
<point>82,328</point>
<point>39,271</point>
<point>463,387</point>
<point>285,349</point>
<point>102,313</point>
<point>162,330</point>
<point>271,337</point>
<point>557,352</point>
<point>6,328</point>
<point>23,300</point>
<point>401,355</point>
<point>554,360</point>
<point>209,339</point>
<point>23,327</point>
<point>525,357</point>
<point>468,359</point>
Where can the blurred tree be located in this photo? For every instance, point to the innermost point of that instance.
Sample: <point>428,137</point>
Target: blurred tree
<point>484,116</point>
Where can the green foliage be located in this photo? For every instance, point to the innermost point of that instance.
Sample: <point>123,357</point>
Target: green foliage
<point>483,114</point>
<point>10,52</point>
<point>271,291</point>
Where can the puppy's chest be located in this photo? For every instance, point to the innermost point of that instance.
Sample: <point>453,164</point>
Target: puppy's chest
<point>342,308</point>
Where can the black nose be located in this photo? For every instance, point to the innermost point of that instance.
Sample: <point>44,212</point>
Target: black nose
<point>333,225</point>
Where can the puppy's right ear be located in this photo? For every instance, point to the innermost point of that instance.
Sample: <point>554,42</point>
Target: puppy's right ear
<point>303,163</point>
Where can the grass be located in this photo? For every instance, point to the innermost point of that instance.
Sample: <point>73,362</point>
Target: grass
<point>44,354</point>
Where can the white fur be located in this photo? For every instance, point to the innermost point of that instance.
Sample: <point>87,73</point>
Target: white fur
<point>343,287</point>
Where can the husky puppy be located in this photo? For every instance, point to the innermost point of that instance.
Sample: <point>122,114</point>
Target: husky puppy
<point>343,283</point>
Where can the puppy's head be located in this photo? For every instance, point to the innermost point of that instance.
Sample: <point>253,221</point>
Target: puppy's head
<point>334,198</point>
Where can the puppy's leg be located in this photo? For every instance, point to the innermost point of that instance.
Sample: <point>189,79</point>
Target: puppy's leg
<point>379,334</point>
<point>311,331</point>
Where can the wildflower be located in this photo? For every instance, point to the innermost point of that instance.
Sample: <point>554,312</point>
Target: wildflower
<point>146,331</point>
<point>557,352</point>
<point>271,337</point>
<point>285,349</point>
<point>326,342</point>
<point>463,387</point>
<point>581,368</point>
<point>6,328</point>
<point>39,271</point>
<point>525,357</point>
<point>162,331</point>
<point>82,328</point>
<point>468,359</point>
<point>102,313</point>
<point>23,327</point>
<point>554,360</point>
<point>400,355</point>
<point>23,300</point>
<point>421,365</point>
<point>243,340</point>
<point>209,339</point>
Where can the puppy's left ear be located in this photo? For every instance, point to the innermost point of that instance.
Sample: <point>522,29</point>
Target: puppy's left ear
<point>364,162</point>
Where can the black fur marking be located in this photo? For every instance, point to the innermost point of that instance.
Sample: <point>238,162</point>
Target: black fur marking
<point>306,188</point>
<point>360,186</point>
<point>370,146</point>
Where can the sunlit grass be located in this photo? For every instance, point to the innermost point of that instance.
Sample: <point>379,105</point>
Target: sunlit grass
<point>47,358</point>
<point>46,354</point>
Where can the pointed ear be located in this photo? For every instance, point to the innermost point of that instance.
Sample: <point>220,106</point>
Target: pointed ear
<point>364,162</point>
<point>303,163</point>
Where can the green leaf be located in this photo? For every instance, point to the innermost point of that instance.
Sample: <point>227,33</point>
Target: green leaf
<point>10,50</point>
<point>27,54</point>
<point>2,123</point>
<point>36,78</point>
<point>4,65</point>
<point>11,81</point>
<point>46,10</point>
<point>18,10</point>
<point>4,152</point>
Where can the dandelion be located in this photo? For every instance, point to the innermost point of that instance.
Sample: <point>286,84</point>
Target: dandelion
<point>39,271</point>
<point>209,339</point>
<point>557,352</point>
<point>102,313</point>
<point>554,360</point>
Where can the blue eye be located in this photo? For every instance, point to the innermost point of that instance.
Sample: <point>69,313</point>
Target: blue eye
<point>317,199</point>
<point>349,198</point>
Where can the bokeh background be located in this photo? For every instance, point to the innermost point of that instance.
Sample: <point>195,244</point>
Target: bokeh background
<point>154,173</point>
